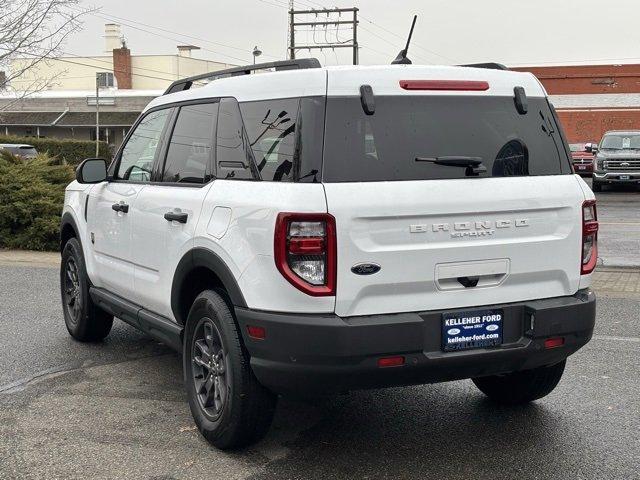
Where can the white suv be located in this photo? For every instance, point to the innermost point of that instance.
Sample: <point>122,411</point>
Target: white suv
<point>315,230</point>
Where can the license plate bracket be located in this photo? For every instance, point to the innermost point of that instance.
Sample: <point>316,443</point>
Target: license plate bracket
<point>470,329</point>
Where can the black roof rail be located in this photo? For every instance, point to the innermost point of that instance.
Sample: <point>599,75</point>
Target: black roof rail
<point>489,65</point>
<point>297,64</point>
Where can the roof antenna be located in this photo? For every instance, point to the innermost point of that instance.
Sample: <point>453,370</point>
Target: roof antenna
<point>402,59</point>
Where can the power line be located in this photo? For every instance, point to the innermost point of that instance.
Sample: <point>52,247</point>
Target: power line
<point>65,60</point>
<point>115,17</point>
<point>413,44</point>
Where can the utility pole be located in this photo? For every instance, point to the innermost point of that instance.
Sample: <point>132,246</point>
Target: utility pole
<point>333,18</point>
<point>97,114</point>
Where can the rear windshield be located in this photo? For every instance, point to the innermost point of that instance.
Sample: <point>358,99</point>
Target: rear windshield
<point>407,135</point>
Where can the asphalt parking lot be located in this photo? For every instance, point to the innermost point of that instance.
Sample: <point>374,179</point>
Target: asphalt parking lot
<point>117,409</point>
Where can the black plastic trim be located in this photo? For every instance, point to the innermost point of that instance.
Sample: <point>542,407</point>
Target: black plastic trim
<point>487,65</point>
<point>187,83</point>
<point>198,258</point>
<point>154,325</point>
<point>67,219</point>
<point>322,353</point>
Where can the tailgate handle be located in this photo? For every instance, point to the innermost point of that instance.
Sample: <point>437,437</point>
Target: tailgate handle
<point>468,282</point>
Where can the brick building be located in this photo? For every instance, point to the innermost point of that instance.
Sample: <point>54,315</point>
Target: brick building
<point>592,99</point>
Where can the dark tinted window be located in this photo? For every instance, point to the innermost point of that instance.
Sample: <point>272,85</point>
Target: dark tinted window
<point>233,154</point>
<point>190,149</point>
<point>384,146</point>
<point>286,137</point>
<point>136,161</point>
<point>271,127</point>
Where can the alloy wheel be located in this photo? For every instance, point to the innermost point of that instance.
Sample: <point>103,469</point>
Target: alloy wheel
<point>209,369</point>
<point>72,291</point>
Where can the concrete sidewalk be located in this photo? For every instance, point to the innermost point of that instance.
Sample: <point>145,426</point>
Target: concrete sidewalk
<point>28,258</point>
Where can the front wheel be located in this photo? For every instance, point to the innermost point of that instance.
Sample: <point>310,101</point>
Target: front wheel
<point>85,321</point>
<point>596,186</point>
<point>229,406</point>
<point>521,387</point>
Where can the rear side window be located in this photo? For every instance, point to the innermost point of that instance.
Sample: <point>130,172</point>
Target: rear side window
<point>271,127</point>
<point>285,136</point>
<point>190,150</point>
<point>385,145</point>
<point>233,153</point>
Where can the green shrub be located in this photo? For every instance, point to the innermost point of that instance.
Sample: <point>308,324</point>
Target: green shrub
<point>31,200</point>
<point>63,150</point>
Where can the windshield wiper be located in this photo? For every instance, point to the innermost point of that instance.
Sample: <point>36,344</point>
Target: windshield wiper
<point>473,165</point>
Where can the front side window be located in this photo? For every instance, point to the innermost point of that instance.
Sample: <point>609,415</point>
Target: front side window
<point>190,148</point>
<point>138,155</point>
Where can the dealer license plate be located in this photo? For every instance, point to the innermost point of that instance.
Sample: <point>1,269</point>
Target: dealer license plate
<point>471,329</point>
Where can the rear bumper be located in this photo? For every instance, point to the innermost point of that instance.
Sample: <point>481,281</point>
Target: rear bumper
<point>614,177</point>
<point>318,354</point>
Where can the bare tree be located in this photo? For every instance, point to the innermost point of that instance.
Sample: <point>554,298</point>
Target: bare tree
<point>33,31</point>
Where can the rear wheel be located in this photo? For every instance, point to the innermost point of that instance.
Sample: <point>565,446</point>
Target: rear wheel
<point>229,406</point>
<point>521,387</point>
<point>84,320</point>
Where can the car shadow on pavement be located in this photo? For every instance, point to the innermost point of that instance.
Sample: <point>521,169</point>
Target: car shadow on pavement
<point>438,431</point>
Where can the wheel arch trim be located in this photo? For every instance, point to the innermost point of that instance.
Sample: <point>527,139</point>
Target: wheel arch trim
<point>204,258</point>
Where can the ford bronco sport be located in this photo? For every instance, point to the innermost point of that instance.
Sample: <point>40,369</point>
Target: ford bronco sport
<point>317,230</point>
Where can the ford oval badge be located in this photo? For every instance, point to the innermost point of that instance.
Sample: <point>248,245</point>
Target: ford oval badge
<point>365,268</point>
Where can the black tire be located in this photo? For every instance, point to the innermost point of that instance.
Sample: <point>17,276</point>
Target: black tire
<point>85,321</point>
<point>596,186</point>
<point>229,406</point>
<point>521,387</point>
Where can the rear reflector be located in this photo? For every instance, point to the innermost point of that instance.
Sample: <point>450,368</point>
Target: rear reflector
<point>390,362</point>
<point>553,342</point>
<point>257,333</point>
<point>459,85</point>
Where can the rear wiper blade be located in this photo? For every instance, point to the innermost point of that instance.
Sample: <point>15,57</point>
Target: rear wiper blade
<point>473,165</point>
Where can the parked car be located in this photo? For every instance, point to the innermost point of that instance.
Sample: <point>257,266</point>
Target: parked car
<point>617,161</point>
<point>335,229</point>
<point>20,149</point>
<point>582,157</point>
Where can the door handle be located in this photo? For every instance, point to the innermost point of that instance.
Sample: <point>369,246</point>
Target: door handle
<point>176,217</point>
<point>120,207</point>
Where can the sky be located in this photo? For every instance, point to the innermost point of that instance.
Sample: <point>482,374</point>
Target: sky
<point>513,32</point>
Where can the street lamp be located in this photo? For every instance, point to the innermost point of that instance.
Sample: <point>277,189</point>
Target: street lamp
<point>256,53</point>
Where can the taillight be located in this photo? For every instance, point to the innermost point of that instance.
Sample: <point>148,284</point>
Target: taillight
<point>589,237</point>
<point>305,251</point>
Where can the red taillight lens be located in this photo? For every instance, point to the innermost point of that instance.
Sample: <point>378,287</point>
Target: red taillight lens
<point>589,237</point>
<point>305,251</point>
<point>455,85</point>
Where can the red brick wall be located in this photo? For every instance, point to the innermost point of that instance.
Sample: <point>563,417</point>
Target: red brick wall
<point>589,126</point>
<point>122,67</point>
<point>587,78</point>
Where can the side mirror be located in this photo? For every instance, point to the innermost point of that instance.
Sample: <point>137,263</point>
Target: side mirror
<point>92,170</point>
<point>590,148</point>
